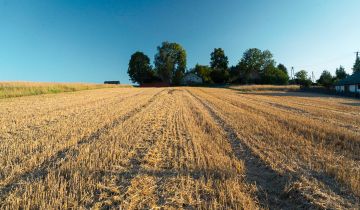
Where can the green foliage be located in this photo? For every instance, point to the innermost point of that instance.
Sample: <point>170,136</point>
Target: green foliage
<point>356,67</point>
<point>139,69</point>
<point>302,78</point>
<point>283,68</point>
<point>203,72</point>
<point>326,79</point>
<point>340,73</point>
<point>170,62</point>
<point>274,76</point>
<point>253,63</point>
<point>219,64</point>
<point>301,75</point>
<point>219,76</point>
<point>234,74</point>
<point>219,60</point>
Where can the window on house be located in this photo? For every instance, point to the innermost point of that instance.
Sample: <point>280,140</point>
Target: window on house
<point>358,86</point>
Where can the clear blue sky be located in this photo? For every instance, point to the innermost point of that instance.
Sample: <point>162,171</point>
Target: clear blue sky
<point>92,41</point>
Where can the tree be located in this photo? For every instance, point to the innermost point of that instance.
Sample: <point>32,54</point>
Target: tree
<point>283,68</point>
<point>219,61</point>
<point>253,63</point>
<point>219,76</point>
<point>139,69</point>
<point>326,79</point>
<point>340,73</point>
<point>275,76</point>
<point>302,78</point>
<point>203,72</point>
<point>356,67</point>
<point>170,62</point>
<point>234,74</point>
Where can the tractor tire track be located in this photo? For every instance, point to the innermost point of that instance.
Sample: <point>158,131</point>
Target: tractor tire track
<point>63,155</point>
<point>334,186</point>
<point>73,114</point>
<point>350,150</point>
<point>137,161</point>
<point>38,131</point>
<point>302,112</point>
<point>272,185</point>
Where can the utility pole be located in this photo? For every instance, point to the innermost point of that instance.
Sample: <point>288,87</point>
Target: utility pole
<point>313,77</point>
<point>292,73</point>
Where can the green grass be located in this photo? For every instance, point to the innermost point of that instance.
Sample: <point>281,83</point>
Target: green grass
<point>18,89</point>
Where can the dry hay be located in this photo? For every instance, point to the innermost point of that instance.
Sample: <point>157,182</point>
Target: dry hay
<point>202,148</point>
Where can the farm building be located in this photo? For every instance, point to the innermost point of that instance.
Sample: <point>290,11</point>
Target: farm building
<point>191,79</point>
<point>350,84</point>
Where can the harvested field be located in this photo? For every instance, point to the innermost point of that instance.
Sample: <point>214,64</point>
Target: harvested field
<point>18,89</point>
<point>202,148</point>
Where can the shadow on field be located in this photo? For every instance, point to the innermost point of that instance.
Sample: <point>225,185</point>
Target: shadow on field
<point>272,186</point>
<point>294,93</point>
<point>197,174</point>
<point>276,190</point>
<point>287,94</point>
<point>352,104</point>
<point>61,156</point>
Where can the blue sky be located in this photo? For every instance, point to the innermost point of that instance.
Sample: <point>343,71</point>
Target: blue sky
<point>92,41</point>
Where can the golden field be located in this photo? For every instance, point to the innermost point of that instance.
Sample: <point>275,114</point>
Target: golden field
<point>17,89</point>
<point>179,148</point>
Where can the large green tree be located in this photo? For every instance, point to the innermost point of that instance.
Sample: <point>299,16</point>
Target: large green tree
<point>170,62</point>
<point>301,78</point>
<point>253,63</point>
<point>283,68</point>
<point>219,60</point>
<point>139,69</point>
<point>219,64</point>
<point>326,79</point>
<point>340,73</point>
<point>356,67</point>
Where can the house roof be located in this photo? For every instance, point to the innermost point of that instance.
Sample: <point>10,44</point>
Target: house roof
<point>353,79</point>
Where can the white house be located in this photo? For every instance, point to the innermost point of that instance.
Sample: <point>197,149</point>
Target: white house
<point>191,79</point>
<point>350,84</point>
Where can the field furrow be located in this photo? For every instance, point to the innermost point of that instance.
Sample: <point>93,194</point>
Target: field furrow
<point>50,154</point>
<point>179,148</point>
<point>291,154</point>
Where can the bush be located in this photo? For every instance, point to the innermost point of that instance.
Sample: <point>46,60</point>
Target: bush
<point>274,76</point>
<point>219,76</point>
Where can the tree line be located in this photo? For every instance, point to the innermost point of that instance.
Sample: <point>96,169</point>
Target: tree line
<point>254,67</point>
<point>328,80</point>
